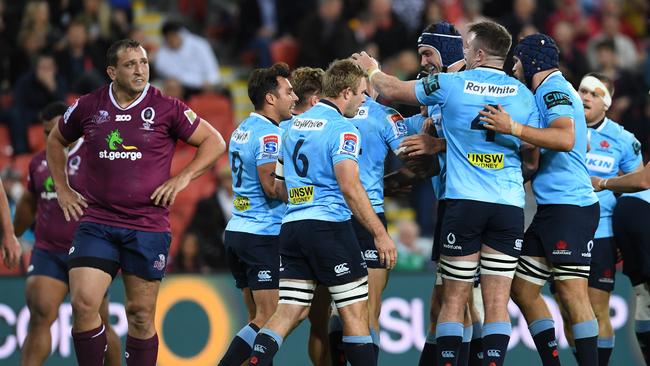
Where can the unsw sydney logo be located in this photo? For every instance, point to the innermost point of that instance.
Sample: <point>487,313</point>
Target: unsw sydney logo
<point>117,150</point>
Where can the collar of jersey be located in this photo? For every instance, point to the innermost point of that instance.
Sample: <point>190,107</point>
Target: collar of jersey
<point>255,114</point>
<point>601,125</point>
<point>328,104</point>
<point>133,104</point>
<point>548,77</point>
<point>492,69</point>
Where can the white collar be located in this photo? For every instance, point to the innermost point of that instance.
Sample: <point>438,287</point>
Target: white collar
<point>133,104</point>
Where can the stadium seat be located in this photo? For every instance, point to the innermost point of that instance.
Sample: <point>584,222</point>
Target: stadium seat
<point>36,137</point>
<point>216,109</point>
<point>285,50</point>
<point>21,164</point>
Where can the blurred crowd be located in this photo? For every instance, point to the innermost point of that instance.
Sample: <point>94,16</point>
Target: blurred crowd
<point>54,50</point>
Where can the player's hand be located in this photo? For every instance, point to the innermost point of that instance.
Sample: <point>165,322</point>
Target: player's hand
<point>387,250</point>
<point>365,61</point>
<point>72,203</point>
<point>166,193</point>
<point>421,145</point>
<point>496,119</point>
<point>595,182</point>
<point>11,251</point>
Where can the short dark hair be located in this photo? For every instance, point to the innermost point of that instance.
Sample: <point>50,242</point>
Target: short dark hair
<point>307,81</point>
<point>604,79</point>
<point>171,26</point>
<point>341,74</point>
<point>265,80</point>
<point>117,46</point>
<point>606,44</point>
<point>493,38</point>
<point>52,110</point>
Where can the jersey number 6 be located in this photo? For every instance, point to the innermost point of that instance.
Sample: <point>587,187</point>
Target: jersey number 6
<point>295,157</point>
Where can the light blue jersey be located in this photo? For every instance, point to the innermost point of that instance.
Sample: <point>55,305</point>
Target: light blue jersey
<point>381,128</point>
<point>255,142</point>
<point>316,141</point>
<point>562,177</point>
<point>481,165</point>
<point>612,150</point>
<point>643,195</point>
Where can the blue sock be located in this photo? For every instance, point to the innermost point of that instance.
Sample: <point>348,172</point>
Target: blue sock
<point>429,357</point>
<point>605,348</point>
<point>495,342</point>
<point>476,345</point>
<point>586,338</point>
<point>267,344</point>
<point>375,342</point>
<point>449,337</point>
<point>543,333</point>
<point>336,345</point>
<point>241,346</point>
<point>642,330</point>
<point>463,358</point>
<point>359,350</point>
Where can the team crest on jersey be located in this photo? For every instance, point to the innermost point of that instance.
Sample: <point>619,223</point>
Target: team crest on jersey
<point>71,109</point>
<point>190,115</point>
<point>147,115</point>
<point>349,144</point>
<point>270,146</point>
<point>362,113</point>
<point>556,98</point>
<point>240,136</point>
<point>397,122</point>
<point>431,84</point>
<point>101,117</point>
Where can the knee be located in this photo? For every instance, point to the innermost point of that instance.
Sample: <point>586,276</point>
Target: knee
<point>41,315</point>
<point>139,316</point>
<point>84,305</point>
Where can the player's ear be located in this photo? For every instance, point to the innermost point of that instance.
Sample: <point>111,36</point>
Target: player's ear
<point>110,70</point>
<point>269,98</point>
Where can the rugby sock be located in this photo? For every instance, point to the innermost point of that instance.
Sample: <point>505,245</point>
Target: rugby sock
<point>586,339</point>
<point>476,346</point>
<point>543,333</point>
<point>375,342</point>
<point>336,345</point>
<point>605,348</point>
<point>141,352</point>
<point>429,356</point>
<point>267,343</point>
<point>463,357</point>
<point>574,351</point>
<point>241,346</point>
<point>449,336</point>
<point>642,329</point>
<point>359,350</point>
<point>495,342</point>
<point>90,346</point>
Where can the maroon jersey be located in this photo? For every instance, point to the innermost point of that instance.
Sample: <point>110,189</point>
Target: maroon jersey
<point>52,231</point>
<point>128,154</point>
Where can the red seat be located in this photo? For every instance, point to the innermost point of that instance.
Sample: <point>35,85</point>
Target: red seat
<point>21,164</point>
<point>216,109</point>
<point>36,137</point>
<point>285,50</point>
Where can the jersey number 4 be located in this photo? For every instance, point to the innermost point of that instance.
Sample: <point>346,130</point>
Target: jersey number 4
<point>477,125</point>
<point>302,157</point>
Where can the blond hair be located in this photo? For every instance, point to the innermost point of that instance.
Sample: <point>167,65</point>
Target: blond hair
<point>340,75</point>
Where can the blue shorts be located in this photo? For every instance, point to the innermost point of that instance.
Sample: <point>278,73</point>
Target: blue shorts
<point>254,260</point>
<point>49,263</point>
<point>563,234</point>
<point>322,251</point>
<point>467,225</point>
<point>630,222</point>
<point>367,242</point>
<point>603,264</point>
<point>437,233</point>
<point>111,248</point>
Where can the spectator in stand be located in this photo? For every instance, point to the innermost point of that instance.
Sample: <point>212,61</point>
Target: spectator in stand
<point>325,36</point>
<point>33,91</point>
<point>573,63</point>
<point>524,12</point>
<point>391,32</point>
<point>585,26</point>
<point>184,48</point>
<point>407,11</point>
<point>624,46</point>
<point>96,14</point>
<point>472,13</point>
<point>204,235</point>
<point>413,252</point>
<point>79,62</point>
<point>173,88</point>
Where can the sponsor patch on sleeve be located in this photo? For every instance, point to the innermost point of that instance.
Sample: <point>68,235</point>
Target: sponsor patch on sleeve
<point>556,98</point>
<point>190,115</point>
<point>397,122</point>
<point>71,109</point>
<point>269,146</point>
<point>431,84</point>
<point>636,147</point>
<point>349,144</point>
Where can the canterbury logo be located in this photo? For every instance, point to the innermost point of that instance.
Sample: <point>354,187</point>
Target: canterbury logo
<point>259,348</point>
<point>494,353</point>
<point>448,354</point>
<point>370,254</point>
<point>264,275</point>
<point>341,268</point>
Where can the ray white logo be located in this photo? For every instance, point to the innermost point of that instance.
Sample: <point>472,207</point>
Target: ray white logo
<point>473,87</point>
<point>308,124</point>
<point>240,137</point>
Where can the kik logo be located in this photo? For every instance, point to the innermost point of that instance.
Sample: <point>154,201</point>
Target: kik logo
<point>117,149</point>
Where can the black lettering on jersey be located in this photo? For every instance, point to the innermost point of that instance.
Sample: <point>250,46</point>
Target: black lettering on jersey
<point>556,98</point>
<point>431,84</point>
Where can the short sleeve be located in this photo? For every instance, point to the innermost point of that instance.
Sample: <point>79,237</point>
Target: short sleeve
<point>184,120</point>
<point>344,142</point>
<point>71,123</point>
<point>432,89</point>
<point>414,124</point>
<point>267,147</point>
<point>393,128</point>
<point>630,154</point>
<point>533,116</point>
<point>556,104</point>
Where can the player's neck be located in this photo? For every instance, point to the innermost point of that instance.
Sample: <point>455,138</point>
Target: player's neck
<point>338,102</point>
<point>596,121</point>
<point>270,113</point>
<point>123,97</point>
<point>539,77</point>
